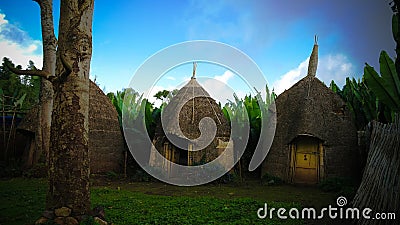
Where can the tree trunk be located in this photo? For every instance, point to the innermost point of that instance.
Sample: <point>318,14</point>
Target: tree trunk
<point>42,137</point>
<point>69,153</point>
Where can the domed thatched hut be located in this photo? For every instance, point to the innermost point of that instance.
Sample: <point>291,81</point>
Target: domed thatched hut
<point>315,137</point>
<point>106,143</point>
<point>193,103</point>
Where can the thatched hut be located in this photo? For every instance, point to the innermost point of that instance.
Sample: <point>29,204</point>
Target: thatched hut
<point>315,137</point>
<point>188,107</point>
<point>106,143</point>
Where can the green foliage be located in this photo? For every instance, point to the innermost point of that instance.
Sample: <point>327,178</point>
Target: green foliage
<point>111,175</point>
<point>17,93</point>
<point>341,186</point>
<point>385,86</point>
<point>250,111</point>
<point>375,97</point>
<point>140,175</point>
<point>162,94</point>
<point>136,111</point>
<point>268,179</point>
<point>360,100</point>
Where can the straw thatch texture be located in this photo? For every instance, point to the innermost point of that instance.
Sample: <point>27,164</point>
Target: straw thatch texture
<point>380,185</point>
<point>204,106</point>
<point>106,143</point>
<point>190,114</point>
<point>310,108</point>
<point>29,122</point>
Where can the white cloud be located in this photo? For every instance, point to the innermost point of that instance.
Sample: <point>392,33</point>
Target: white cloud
<point>330,67</point>
<point>291,77</point>
<point>217,87</point>
<point>2,19</point>
<point>335,67</point>
<point>170,78</point>
<point>225,77</point>
<point>19,55</point>
<point>17,45</point>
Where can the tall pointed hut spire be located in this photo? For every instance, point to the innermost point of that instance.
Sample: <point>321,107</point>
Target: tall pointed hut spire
<point>194,70</point>
<point>313,63</point>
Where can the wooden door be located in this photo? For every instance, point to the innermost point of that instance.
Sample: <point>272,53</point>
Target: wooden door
<point>306,161</point>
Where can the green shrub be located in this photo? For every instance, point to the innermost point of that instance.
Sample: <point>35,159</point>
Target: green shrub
<point>112,175</point>
<point>342,186</point>
<point>268,179</point>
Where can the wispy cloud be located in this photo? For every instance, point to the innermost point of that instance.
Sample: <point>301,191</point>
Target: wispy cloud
<point>330,67</point>
<point>218,87</point>
<point>225,77</point>
<point>17,45</point>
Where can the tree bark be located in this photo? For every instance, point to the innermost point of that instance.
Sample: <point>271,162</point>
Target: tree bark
<point>69,153</point>
<point>42,137</point>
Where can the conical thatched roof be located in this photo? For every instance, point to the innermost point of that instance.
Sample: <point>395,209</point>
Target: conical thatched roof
<point>193,103</point>
<point>106,143</point>
<point>182,116</point>
<point>310,108</point>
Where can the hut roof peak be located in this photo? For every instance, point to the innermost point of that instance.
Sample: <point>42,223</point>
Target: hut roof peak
<point>194,70</point>
<point>313,63</point>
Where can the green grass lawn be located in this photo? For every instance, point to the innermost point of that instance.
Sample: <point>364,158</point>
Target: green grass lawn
<point>22,201</point>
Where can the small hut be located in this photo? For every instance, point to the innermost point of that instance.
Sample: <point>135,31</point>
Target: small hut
<point>189,106</point>
<point>315,137</point>
<point>106,143</point>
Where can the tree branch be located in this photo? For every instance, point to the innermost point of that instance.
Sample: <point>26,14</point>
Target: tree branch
<point>67,66</point>
<point>39,73</point>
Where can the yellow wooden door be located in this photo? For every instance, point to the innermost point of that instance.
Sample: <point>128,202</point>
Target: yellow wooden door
<point>306,162</point>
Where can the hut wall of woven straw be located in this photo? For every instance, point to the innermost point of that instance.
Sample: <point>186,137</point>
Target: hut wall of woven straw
<point>311,108</point>
<point>106,143</point>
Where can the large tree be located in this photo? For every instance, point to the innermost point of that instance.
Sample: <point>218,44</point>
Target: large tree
<point>66,68</point>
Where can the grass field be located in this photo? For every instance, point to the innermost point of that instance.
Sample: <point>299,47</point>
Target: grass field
<point>22,201</point>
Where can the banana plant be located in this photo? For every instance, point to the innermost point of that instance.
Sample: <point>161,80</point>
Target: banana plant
<point>360,101</point>
<point>385,86</point>
<point>248,112</point>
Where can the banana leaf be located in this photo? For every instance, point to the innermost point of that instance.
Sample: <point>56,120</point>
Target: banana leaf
<point>382,89</point>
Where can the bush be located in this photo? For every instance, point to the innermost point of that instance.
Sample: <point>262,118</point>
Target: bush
<point>141,176</point>
<point>342,186</point>
<point>268,179</point>
<point>112,175</point>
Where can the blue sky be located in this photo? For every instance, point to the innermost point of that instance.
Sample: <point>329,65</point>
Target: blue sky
<point>277,35</point>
